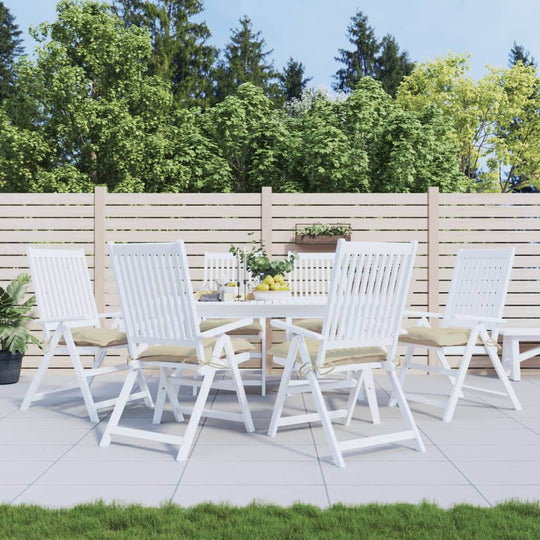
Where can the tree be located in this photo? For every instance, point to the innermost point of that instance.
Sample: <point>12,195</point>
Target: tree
<point>10,48</point>
<point>292,81</point>
<point>181,53</point>
<point>87,112</point>
<point>382,60</point>
<point>519,54</point>
<point>244,60</point>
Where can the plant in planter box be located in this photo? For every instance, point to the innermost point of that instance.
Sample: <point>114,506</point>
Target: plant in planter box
<point>14,333</point>
<point>316,233</point>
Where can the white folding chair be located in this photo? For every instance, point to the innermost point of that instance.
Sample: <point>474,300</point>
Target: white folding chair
<point>162,326</point>
<point>223,266</point>
<point>360,333</point>
<point>473,311</point>
<point>71,324</point>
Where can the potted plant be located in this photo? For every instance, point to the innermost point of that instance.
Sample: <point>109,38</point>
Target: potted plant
<point>14,333</point>
<point>322,233</point>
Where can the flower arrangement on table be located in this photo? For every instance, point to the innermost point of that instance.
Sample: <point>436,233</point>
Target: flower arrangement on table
<point>269,273</point>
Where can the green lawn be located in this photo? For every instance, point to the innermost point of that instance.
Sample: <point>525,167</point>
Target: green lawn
<point>424,521</point>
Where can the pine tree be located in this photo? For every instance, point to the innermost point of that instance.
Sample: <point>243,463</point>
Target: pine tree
<point>245,60</point>
<point>182,55</point>
<point>383,60</point>
<point>10,48</point>
<point>292,81</point>
<point>519,54</point>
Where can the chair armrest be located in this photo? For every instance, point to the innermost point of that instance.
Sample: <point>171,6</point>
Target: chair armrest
<point>110,315</point>
<point>427,314</point>
<point>298,330</point>
<point>226,328</point>
<point>61,321</point>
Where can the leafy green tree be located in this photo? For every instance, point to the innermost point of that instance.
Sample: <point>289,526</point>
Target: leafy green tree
<point>518,53</point>
<point>293,80</point>
<point>382,60</point>
<point>86,112</point>
<point>10,48</point>
<point>181,53</point>
<point>245,59</point>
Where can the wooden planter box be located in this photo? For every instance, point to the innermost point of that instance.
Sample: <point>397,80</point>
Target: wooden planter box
<point>321,239</point>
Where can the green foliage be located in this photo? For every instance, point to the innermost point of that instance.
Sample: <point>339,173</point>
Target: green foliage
<point>518,53</point>
<point>14,316</point>
<point>10,48</point>
<point>293,80</point>
<point>325,229</point>
<point>259,264</point>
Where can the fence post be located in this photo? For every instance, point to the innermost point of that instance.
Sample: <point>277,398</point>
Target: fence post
<point>433,256</point>
<point>266,239</point>
<point>100,194</point>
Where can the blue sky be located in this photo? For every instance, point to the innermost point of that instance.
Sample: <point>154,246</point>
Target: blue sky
<point>313,30</point>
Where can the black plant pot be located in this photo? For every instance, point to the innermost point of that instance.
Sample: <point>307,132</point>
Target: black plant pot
<point>10,367</point>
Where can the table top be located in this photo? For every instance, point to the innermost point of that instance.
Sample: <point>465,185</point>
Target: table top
<point>287,307</point>
<point>533,332</point>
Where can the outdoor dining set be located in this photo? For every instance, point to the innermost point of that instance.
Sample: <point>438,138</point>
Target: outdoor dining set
<point>343,318</point>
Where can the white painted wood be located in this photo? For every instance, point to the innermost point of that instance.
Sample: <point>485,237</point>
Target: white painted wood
<point>65,300</point>
<point>512,357</point>
<point>366,302</point>
<point>310,276</point>
<point>158,307</point>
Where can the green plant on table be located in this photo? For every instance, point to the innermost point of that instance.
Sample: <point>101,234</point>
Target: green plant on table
<point>259,264</point>
<point>15,316</point>
<point>325,229</point>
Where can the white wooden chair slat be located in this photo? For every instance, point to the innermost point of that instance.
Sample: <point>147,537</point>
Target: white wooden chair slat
<point>158,306</point>
<point>65,299</point>
<point>366,301</point>
<point>478,289</point>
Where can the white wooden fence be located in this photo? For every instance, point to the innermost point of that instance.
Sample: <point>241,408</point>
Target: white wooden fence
<point>442,223</point>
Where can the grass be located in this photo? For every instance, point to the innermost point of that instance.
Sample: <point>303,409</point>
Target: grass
<point>511,520</point>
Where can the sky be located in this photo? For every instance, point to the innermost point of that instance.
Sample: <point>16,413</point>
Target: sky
<point>312,31</point>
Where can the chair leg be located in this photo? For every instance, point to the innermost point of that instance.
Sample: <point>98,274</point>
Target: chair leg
<point>353,398</point>
<point>97,363</point>
<point>81,379</point>
<point>444,363</point>
<point>241,395</point>
<point>161,396</point>
<point>34,385</point>
<point>149,402</point>
<point>281,395</point>
<point>189,435</point>
<point>404,408</point>
<point>325,419</point>
<point>494,357</point>
<point>371,394</point>
<point>263,357</point>
<point>460,379</point>
<point>120,405</point>
<point>403,373</point>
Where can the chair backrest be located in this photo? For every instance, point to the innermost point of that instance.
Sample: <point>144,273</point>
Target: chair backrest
<point>479,285</point>
<point>219,266</point>
<point>156,296</point>
<point>311,274</point>
<point>368,291</point>
<point>62,285</point>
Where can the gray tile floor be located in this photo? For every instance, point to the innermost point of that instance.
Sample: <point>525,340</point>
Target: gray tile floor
<point>49,455</point>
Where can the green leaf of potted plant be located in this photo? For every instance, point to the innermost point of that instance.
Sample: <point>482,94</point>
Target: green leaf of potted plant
<point>14,333</point>
<point>322,233</point>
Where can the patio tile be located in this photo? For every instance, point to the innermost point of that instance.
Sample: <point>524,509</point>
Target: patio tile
<point>392,473</point>
<point>445,496</point>
<point>33,436</point>
<point>449,434</point>
<point>498,473</point>
<point>67,496</point>
<point>32,452</point>
<point>14,473</point>
<point>113,473</point>
<point>492,452</point>
<point>250,452</point>
<point>9,493</point>
<point>125,450</point>
<point>244,495</point>
<point>277,473</point>
<point>499,494</point>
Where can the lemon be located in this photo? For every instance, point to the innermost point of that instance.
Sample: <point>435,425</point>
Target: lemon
<point>275,287</point>
<point>279,278</point>
<point>269,280</point>
<point>262,287</point>
<point>231,284</point>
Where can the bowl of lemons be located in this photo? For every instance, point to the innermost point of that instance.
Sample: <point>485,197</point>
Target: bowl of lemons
<point>272,288</point>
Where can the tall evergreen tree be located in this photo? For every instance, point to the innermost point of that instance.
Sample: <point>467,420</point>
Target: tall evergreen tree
<point>519,54</point>
<point>10,48</point>
<point>245,59</point>
<point>383,60</point>
<point>182,55</point>
<point>292,80</point>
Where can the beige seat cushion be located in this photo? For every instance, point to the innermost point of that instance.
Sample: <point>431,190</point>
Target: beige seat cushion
<point>315,325</point>
<point>251,329</point>
<point>336,357</point>
<point>172,353</point>
<point>88,336</point>
<point>436,337</point>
